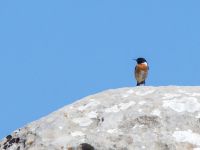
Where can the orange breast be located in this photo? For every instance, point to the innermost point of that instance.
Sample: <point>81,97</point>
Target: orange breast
<point>142,67</point>
<point>141,72</point>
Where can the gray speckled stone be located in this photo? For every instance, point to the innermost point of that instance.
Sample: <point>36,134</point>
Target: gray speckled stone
<point>140,118</point>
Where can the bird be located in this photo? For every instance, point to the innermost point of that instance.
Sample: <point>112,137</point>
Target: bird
<point>141,71</point>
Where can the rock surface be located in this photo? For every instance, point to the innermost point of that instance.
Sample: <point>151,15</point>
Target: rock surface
<point>140,118</point>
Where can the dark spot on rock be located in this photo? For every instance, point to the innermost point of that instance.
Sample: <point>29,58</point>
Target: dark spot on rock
<point>41,144</point>
<point>17,140</point>
<point>9,145</point>
<point>24,143</point>
<point>148,120</point>
<point>163,146</point>
<point>5,146</point>
<point>102,119</point>
<point>124,148</point>
<point>9,137</point>
<point>85,146</point>
<point>115,146</point>
<point>18,148</point>
<point>12,141</point>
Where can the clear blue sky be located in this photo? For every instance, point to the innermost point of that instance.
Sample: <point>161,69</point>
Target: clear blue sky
<point>55,52</point>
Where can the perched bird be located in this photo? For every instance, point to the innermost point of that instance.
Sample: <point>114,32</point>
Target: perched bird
<point>141,71</point>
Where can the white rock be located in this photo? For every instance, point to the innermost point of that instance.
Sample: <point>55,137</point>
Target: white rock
<point>114,109</point>
<point>111,131</point>
<point>92,103</point>
<point>170,95</point>
<point>92,115</point>
<point>197,116</point>
<point>187,136</point>
<point>143,93</point>
<point>77,133</point>
<point>124,106</point>
<point>119,107</point>
<point>156,112</point>
<point>83,122</point>
<point>142,102</point>
<point>152,118</point>
<point>188,104</point>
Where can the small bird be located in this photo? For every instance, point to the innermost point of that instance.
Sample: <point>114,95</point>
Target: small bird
<point>141,71</point>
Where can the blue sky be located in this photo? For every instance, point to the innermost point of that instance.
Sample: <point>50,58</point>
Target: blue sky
<point>55,52</point>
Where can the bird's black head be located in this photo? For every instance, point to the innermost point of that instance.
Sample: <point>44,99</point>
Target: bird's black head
<point>140,60</point>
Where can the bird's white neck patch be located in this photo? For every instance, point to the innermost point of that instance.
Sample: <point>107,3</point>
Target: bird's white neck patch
<point>145,63</point>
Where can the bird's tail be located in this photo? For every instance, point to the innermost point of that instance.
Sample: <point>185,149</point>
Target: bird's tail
<point>140,83</point>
